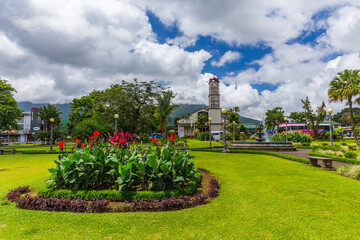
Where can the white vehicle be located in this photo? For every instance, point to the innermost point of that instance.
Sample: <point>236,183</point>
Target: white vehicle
<point>216,135</point>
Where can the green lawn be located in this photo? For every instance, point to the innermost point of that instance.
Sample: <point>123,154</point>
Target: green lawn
<point>262,197</point>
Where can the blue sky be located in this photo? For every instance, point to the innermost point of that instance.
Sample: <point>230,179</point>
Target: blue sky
<point>266,53</point>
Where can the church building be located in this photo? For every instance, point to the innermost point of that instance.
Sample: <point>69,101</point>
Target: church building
<point>214,112</point>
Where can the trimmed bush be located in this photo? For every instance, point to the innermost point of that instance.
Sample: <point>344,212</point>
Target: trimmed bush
<point>292,137</point>
<point>349,171</point>
<point>351,155</point>
<point>119,195</point>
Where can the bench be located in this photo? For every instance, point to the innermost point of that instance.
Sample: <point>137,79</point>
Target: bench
<point>327,162</point>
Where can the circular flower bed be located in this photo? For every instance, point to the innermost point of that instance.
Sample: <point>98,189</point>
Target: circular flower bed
<point>27,198</point>
<point>108,176</point>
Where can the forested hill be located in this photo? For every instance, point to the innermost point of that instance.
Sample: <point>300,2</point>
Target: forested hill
<point>180,111</point>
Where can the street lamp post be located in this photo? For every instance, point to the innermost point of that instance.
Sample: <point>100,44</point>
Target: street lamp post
<point>210,119</point>
<point>51,134</point>
<point>233,131</point>
<point>329,111</point>
<point>307,127</point>
<point>224,135</point>
<point>116,116</point>
<point>285,119</point>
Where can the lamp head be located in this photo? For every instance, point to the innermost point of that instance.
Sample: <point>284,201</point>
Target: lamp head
<point>116,116</point>
<point>285,118</point>
<point>308,123</point>
<point>210,119</point>
<point>329,111</point>
<point>223,110</point>
<point>52,120</point>
<point>233,122</point>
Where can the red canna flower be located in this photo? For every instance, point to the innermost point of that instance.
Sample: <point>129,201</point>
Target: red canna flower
<point>135,142</point>
<point>77,140</point>
<point>122,141</point>
<point>171,138</point>
<point>96,133</point>
<point>92,138</point>
<point>155,139</point>
<point>82,145</point>
<point>61,144</point>
<point>90,144</point>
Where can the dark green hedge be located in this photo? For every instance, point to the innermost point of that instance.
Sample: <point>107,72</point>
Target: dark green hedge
<point>304,147</point>
<point>40,152</point>
<point>339,159</point>
<point>190,189</point>
<point>276,154</point>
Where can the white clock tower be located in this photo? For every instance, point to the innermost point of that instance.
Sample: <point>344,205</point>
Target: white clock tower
<point>214,104</point>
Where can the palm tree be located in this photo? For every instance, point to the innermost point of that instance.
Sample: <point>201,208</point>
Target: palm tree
<point>164,107</point>
<point>48,112</point>
<point>346,86</point>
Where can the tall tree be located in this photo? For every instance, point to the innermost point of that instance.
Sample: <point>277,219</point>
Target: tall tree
<point>346,86</point>
<point>314,119</point>
<point>298,117</point>
<point>201,120</point>
<point>9,110</point>
<point>232,116</point>
<point>344,117</point>
<point>134,102</point>
<point>165,107</point>
<point>48,112</point>
<point>274,117</point>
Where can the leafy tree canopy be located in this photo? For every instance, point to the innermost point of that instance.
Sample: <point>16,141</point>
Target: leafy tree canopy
<point>9,110</point>
<point>274,117</point>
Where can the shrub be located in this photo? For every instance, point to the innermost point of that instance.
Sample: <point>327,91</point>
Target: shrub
<point>203,136</point>
<point>16,193</point>
<point>349,171</point>
<point>214,188</point>
<point>63,205</point>
<point>293,137</point>
<point>352,147</point>
<point>343,144</point>
<point>107,167</point>
<point>351,155</point>
<point>305,144</point>
<point>115,195</point>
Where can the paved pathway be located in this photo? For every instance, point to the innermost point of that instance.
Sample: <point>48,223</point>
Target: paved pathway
<point>304,153</point>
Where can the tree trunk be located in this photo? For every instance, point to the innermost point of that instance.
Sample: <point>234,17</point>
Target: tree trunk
<point>352,120</point>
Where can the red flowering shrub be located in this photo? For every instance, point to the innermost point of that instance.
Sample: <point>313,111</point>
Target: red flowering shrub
<point>120,139</point>
<point>171,138</point>
<point>96,133</point>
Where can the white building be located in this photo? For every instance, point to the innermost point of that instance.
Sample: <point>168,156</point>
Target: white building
<point>214,111</point>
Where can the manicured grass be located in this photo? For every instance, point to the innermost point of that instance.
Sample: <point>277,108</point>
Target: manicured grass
<point>262,197</point>
<point>193,143</point>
